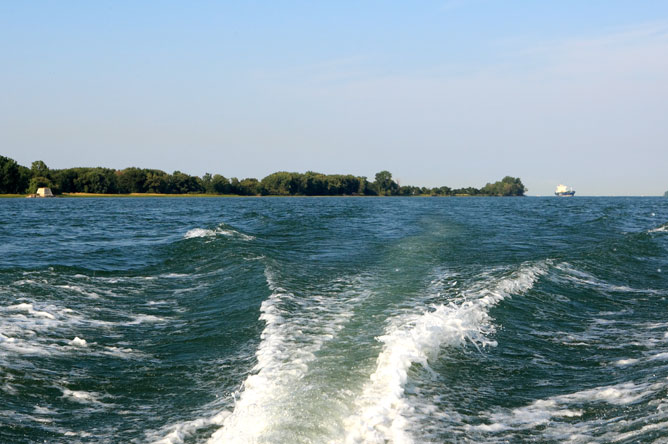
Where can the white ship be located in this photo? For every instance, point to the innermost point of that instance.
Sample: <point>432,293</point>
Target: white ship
<point>564,191</point>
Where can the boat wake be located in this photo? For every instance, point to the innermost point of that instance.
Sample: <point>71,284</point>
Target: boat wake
<point>295,329</point>
<point>269,405</point>
<point>382,411</point>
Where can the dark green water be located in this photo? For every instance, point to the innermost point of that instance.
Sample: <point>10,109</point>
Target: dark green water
<point>334,320</point>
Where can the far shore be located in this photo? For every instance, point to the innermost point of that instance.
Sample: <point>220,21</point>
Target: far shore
<point>140,195</point>
<point>78,195</point>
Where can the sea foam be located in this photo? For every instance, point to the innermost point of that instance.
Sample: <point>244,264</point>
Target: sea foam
<point>558,412</point>
<point>220,230</point>
<point>382,410</point>
<point>662,229</point>
<point>295,329</point>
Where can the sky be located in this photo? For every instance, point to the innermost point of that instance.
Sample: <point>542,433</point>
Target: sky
<point>451,92</point>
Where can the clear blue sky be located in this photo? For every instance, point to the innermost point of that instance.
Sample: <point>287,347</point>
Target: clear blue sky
<point>453,93</point>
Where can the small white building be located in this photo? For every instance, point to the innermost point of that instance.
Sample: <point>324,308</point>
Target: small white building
<point>44,192</point>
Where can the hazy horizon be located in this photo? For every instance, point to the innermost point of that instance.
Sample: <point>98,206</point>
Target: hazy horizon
<point>455,93</point>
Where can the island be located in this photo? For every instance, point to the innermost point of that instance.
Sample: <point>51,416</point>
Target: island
<point>19,180</point>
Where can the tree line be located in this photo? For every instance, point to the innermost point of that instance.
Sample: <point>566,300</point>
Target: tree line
<point>18,179</point>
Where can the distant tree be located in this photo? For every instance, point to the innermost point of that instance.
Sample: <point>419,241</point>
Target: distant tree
<point>508,186</point>
<point>132,180</point>
<point>384,183</point>
<point>468,191</point>
<point>444,191</point>
<point>39,168</point>
<point>365,188</point>
<point>156,181</point>
<point>312,184</point>
<point>408,190</point>
<point>96,180</point>
<point>282,183</point>
<point>11,179</point>
<point>250,187</point>
<point>220,185</point>
<point>24,179</point>
<point>181,183</point>
<point>339,184</point>
<point>64,180</point>
<point>206,183</point>
<point>38,182</point>
<point>234,186</point>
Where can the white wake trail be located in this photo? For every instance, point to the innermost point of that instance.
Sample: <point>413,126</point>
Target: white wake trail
<point>382,411</point>
<point>295,329</point>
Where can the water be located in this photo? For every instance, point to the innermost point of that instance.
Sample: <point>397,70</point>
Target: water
<point>334,320</point>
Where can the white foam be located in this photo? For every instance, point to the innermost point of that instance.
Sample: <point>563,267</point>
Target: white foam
<point>623,362</point>
<point>124,353</point>
<point>80,290</point>
<point>659,357</point>
<point>547,411</point>
<point>204,232</point>
<point>199,232</point>
<point>661,229</point>
<point>415,339</point>
<point>28,308</point>
<point>295,329</point>
<point>232,233</point>
<point>582,278</point>
<point>78,342</point>
<point>43,410</point>
<point>178,433</point>
<point>83,397</point>
<point>9,389</point>
<point>146,319</point>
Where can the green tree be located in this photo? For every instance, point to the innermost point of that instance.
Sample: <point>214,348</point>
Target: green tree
<point>181,183</point>
<point>38,182</point>
<point>132,180</point>
<point>220,184</point>
<point>250,187</point>
<point>39,168</point>
<point>206,183</point>
<point>408,190</point>
<point>313,184</point>
<point>64,180</point>
<point>156,181</point>
<point>96,180</point>
<point>282,183</point>
<point>11,178</point>
<point>508,186</point>
<point>384,183</point>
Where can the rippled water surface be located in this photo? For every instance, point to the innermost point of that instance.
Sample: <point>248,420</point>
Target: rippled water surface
<point>334,320</point>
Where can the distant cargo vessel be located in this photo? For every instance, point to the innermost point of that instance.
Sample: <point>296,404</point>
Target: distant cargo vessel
<point>564,191</point>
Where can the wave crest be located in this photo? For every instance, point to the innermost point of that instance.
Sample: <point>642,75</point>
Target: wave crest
<point>220,230</point>
<point>417,339</point>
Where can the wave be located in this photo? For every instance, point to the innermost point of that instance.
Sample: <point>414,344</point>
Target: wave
<point>34,328</point>
<point>382,409</point>
<point>560,411</point>
<point>83,397</point>
<point>178,433</point>
<point>295,329</point>
<point>662,229</point>
<point>220,230</point>
<point>581,278</point>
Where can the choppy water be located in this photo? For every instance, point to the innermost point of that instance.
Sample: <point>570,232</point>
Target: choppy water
<point>334,320</point>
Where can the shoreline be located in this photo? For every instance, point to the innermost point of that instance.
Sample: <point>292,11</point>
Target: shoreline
<point>204,195</point>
